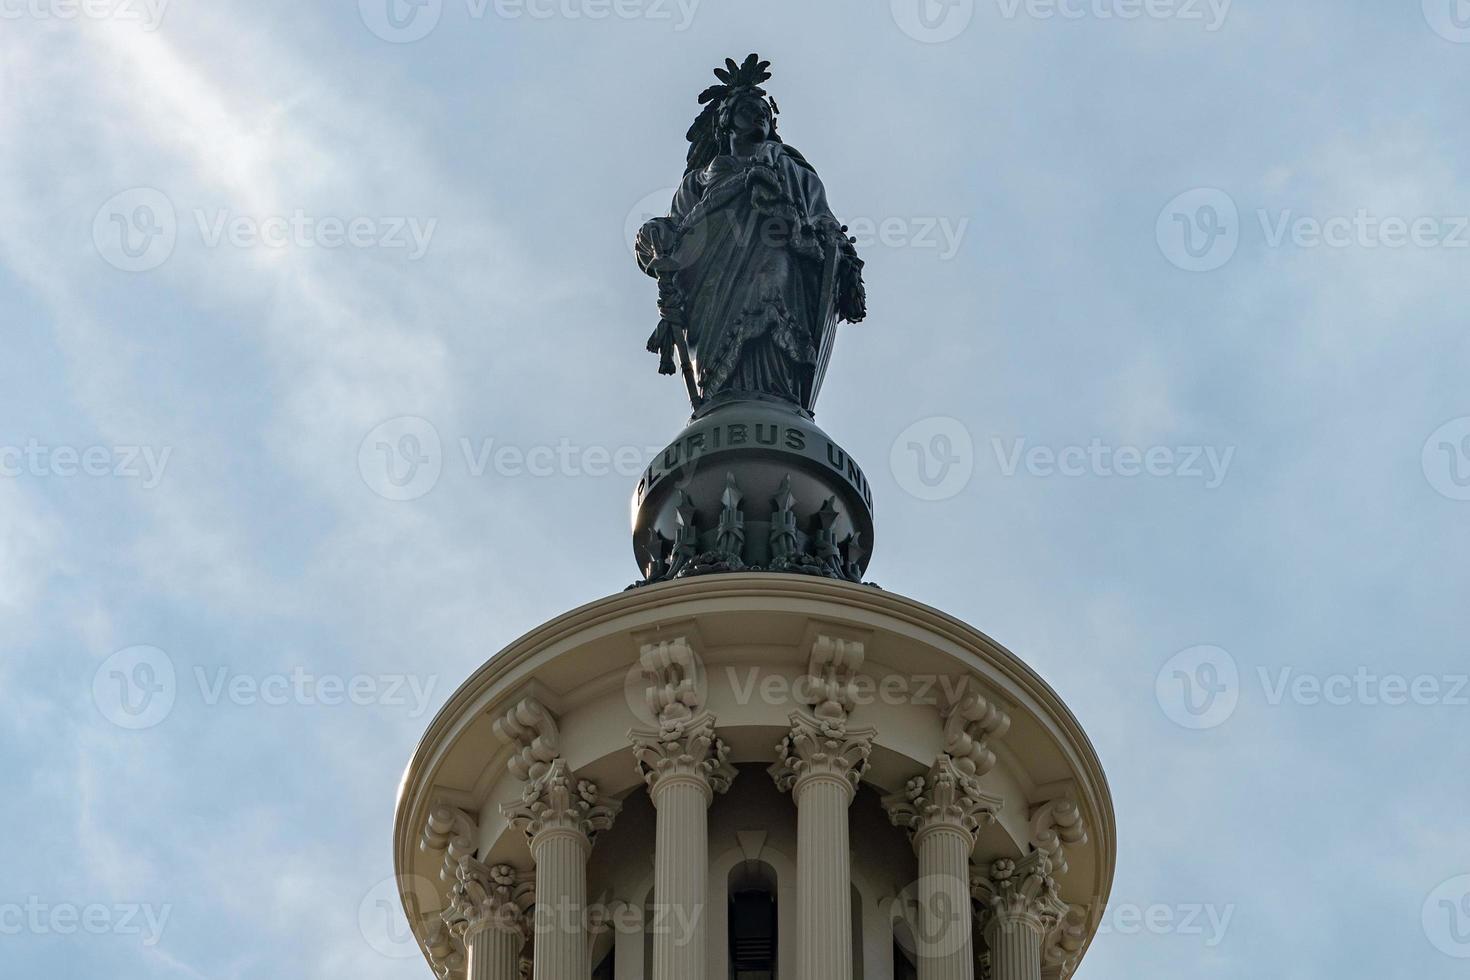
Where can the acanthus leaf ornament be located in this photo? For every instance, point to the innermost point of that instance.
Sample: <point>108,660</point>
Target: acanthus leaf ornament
<point>817,749</point>
<point>689,751</point>
<point>559,802</point>
<point>1019,891</point>
<point>945,797</point>
<point>490,897</point>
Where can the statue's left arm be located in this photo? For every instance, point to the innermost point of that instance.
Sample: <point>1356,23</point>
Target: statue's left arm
<point>851,296</point>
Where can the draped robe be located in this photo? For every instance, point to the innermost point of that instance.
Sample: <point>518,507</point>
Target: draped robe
<point>747,241</point>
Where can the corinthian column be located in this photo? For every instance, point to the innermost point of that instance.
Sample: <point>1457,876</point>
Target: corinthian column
<point>1021,908</point>
<point>684,766</point>
<point>560,815</point>
<point>820,765</point>
<point>487,909</point>
<point>943,811</point>
<point>820,762</point>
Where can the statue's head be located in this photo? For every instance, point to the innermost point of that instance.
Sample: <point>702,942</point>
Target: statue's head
<point>736,107</point>
<point>746,114</point>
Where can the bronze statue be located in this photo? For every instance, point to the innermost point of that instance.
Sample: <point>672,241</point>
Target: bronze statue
<point>753,275</point>
<point>753,269</point>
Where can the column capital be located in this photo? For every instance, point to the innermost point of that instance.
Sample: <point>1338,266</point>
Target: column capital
<point>816,750</point>
<point>1018,892</point>
<point>689,751</point>
<point>489,897</point>
<point>561,804</point>
<point>945,798</point>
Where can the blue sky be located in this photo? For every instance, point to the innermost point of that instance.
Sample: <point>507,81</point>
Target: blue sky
<point>1169,298</point>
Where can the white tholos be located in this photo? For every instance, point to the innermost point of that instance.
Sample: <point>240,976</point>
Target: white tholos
<point>754,776</point>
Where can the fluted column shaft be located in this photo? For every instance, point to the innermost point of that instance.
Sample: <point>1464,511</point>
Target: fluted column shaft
<point>494,954</point>
<point>824,878</point>
<point>685,764</point>
<point>562,949</point>
<point>681,877</point>
<point>946,951</point>
<point>1015,946</point>
<point>944,810</point>
<point>560,814</point>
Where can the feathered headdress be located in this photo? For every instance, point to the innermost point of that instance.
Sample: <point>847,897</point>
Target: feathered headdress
<point>703,136</point>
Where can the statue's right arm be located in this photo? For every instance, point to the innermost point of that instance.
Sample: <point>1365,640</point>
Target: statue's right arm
<point>658,238</point>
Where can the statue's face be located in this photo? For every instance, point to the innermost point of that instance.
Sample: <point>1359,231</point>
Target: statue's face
<point>750,119</point>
